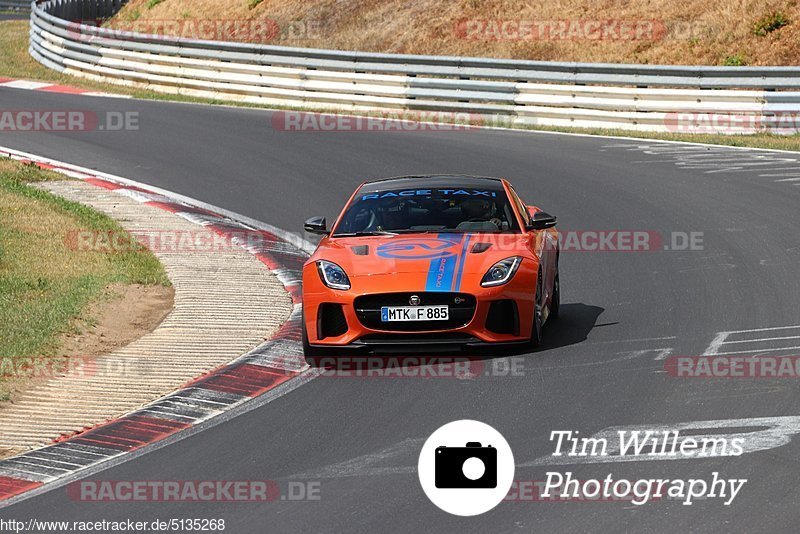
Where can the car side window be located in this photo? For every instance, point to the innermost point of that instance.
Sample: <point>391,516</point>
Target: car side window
<point>521,207</point>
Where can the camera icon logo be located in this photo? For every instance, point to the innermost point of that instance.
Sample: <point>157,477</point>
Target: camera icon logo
<point>472,466</point>
<point>466,467</point>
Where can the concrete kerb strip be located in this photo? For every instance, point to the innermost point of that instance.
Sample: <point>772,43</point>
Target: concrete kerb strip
<point>226,303</point>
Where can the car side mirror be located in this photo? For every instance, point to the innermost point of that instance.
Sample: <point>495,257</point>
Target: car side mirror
<point>316,225</point>
<point>542,220</point>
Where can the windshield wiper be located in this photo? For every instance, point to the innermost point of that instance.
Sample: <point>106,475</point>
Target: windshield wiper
<point>364,234</point>
<point>439,231</point>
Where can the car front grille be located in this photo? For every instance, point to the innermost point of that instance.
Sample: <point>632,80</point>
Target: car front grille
<point>462,309</point>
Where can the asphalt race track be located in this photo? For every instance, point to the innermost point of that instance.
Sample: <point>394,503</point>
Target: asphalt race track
<point>601,365</point>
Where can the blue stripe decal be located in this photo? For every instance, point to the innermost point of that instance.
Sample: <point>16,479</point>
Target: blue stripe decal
<point>442,269</point>
<point>461,259</point>
<point>440,274</point>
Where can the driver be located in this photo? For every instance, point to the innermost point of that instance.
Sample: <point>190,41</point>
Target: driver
<point>480,210</point>
<point>394,215</point>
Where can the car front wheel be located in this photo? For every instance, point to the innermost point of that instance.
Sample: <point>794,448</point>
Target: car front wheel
<point>310,352</point>
<point>555,300</point>
<point>538,322</point>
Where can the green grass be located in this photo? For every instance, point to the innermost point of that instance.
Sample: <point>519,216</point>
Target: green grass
<point>46,285</point>
<point>770,23</point>
<point>736,60</point>
<point>16,63</point>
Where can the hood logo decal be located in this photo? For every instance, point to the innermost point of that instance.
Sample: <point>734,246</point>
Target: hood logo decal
<point>446,252</point>
<point>417,249</point>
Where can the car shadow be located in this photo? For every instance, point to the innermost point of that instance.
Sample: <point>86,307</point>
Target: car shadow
<point>573,325</point>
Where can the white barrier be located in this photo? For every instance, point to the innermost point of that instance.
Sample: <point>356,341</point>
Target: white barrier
<point>675,99</point>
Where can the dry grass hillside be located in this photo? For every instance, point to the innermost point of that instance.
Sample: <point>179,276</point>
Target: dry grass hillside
<point>728,32</point>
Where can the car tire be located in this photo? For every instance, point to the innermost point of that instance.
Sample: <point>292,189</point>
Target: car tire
<point>538,322</point>
<point>555,300</point>
<point>310,352</point>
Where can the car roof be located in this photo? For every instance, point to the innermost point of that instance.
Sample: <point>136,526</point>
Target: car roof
<point>436,181</point>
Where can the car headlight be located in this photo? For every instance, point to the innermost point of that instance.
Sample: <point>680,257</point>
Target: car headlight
<point>332,275</point>
<point>501,272</point>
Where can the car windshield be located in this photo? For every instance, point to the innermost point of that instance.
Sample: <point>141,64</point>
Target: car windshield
<point>428,210</point>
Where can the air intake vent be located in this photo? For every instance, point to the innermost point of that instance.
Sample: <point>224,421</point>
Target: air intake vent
<point>503,317</point>
<point>330,320</point>
<point>477,248</point>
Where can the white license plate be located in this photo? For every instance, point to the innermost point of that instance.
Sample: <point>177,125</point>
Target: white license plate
<point>414,313</point>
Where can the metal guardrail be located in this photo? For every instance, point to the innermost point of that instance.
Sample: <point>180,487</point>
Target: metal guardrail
<point>638,97</point>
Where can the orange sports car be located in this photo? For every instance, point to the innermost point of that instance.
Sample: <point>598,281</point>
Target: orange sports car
<point>432,262</point>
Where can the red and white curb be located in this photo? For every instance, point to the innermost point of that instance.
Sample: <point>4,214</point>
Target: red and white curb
<point>48,87</point>
<point>270,370</point>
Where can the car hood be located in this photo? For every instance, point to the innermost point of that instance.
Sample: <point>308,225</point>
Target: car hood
<point>445,254</point>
